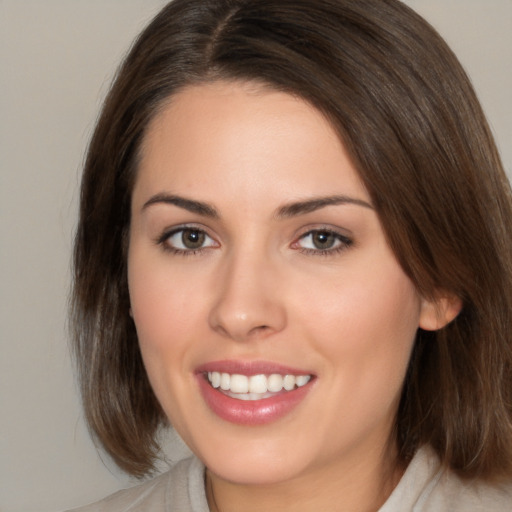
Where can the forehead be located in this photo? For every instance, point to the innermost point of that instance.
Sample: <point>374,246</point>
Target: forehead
<point>248,136</point>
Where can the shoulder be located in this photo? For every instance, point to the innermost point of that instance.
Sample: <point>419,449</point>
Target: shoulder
<point>427,487</point>
<point>181,489</point>
<point>452,493</point>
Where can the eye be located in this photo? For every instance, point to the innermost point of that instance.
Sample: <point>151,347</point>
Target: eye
<point>187,240</point>
<point>322,241</point>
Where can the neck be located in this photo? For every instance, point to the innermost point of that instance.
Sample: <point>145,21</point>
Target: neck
<point>361,485</point>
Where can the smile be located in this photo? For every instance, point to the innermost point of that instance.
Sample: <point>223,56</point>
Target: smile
<point>253,393</point>
<point>255,387</point>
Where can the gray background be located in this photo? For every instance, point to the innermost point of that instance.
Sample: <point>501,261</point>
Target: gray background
<point>56,62</point>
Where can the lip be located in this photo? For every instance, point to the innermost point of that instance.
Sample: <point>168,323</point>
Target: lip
<point>249,368</point>
<point>251,412</point>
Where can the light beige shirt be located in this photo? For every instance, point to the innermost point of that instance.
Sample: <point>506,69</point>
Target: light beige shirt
<point>425,487</point>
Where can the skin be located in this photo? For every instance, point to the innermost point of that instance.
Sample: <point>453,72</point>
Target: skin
<point>259,289</point>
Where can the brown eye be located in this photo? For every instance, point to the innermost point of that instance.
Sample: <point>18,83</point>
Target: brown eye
<point>192,238</point>
<point>187,240</point>
<point>323,239</point>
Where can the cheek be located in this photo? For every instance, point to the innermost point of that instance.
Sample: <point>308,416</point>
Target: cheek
<point>386,303</point>
<point>164,320</point>
<point>161,311</point>
<point>365,323</point>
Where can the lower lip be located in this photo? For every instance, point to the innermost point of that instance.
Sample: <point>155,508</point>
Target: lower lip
<point>251,412</point>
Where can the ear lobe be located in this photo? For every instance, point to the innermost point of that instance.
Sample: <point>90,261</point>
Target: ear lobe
<point>438,312</point>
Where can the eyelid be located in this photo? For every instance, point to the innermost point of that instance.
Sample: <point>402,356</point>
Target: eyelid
<point>167,233</point>
<point>329,228</point>
<point>345,240</point>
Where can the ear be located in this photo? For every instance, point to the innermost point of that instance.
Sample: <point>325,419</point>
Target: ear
<point>438,312</point>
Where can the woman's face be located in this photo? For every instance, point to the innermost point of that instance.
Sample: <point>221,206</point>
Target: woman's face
<point>257,261</point>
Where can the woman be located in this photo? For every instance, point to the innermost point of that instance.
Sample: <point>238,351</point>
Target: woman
<point>294,246</point>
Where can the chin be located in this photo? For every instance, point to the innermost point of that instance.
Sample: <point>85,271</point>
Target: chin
<point>267,458</point>
<point>262,469</point>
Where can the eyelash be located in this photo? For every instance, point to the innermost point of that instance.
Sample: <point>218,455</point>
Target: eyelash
<point>343,242</point>
<point>163,240</point>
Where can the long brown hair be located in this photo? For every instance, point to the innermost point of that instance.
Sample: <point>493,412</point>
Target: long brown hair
<point>406,112</point>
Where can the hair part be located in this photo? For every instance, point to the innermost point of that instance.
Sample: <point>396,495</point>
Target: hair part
<point>406,112</point>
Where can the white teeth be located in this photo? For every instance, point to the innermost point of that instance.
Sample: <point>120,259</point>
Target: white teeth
<point>215,379</point>
<point>275,383</point>
<point>239,384</point>
<point>258,384</point>
<point>253,387</point>
<point>289,382</point>
<point>301,380</point>
<point>225,381</point>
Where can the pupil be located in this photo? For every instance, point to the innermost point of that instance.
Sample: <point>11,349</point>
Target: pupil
<point>323,240</point>
<point>192,238</point>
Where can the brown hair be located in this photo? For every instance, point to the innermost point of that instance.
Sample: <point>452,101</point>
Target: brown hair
<point>409,117</point>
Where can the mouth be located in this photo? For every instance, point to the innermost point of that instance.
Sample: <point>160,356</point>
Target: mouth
<point>252,393</point>
<point>255,387</point>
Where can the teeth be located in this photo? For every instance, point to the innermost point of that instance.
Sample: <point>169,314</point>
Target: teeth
<point>300,380</point>
<point>250,388</point>
<point>214,378</point>
<point>239,384</point>
<point>275,383</point>
<point>289,382</point>
<point>258,384</point>
<point>225,381</point>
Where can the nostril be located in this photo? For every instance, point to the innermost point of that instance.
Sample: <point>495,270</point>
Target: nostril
<point>244,313</point>
<point>259,329</point>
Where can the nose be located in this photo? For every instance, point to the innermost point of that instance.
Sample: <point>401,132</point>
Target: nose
<point>248,304</point>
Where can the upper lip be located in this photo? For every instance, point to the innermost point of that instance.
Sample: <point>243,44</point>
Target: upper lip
<point>250,368</point>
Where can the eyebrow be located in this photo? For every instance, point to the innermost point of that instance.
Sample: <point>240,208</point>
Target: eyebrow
<point>191,205</point>
<point>289,210</point>
<point>303,207</point>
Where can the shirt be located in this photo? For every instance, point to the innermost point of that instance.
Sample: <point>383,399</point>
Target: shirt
<point>424,487</point>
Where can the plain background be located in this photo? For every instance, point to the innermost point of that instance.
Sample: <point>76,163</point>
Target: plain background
<point>56,62</point>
